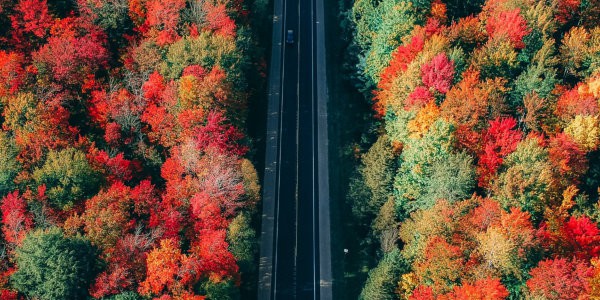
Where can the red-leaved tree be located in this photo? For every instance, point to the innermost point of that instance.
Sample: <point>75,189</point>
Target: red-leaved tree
<point>510,25</point>
<point>438,73</point>
<point>16,220</point>
<point>217,134</point>
<point>559,279</point>
<point>499,140</point>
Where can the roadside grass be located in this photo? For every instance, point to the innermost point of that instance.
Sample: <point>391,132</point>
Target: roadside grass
<point>349,118</point>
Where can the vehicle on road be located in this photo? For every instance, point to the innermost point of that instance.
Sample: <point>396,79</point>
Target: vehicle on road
<point>289,37</point>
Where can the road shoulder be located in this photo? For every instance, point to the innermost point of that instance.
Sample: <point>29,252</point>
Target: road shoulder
<point>325,272</point>
<point>270,173</point>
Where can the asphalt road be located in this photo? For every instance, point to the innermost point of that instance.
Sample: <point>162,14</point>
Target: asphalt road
<point>295,193</point>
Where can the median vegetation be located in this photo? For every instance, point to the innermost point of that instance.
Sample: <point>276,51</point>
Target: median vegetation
<point>125,167</point>
<point>482,178</point>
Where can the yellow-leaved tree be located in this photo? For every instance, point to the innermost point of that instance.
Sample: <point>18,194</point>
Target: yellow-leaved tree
<point>584,131</point>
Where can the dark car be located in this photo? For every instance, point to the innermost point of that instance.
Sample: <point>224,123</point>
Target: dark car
<point>289,37</point>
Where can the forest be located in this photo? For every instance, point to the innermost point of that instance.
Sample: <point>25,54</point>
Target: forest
<point>482,176</point>
<point>125,161</point>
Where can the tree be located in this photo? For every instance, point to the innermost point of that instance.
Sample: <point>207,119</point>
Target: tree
<point>401,58</point>
<point>566,10</point>
<point>386,225</point>
<point>216,260</point>
<point>9,166</point>
<point>12,73</point>
<point>497,58</point>
<point>540,77</point>
<point>207,212</point>
<point>168,271</point>
<point>126,296</point>
<point>69,57</point>
<point>53,266</point>
<point>164,16</point>
<point>37,124</point>
<point>215,92</point>
<point>566,156</point>
<point>559,279</point>
<point>452,179</point>
<point>16,220</point>
<point>112,16</point>
<point>221,179</point>
<point>584,131</point>
<point>119,114</point>
<point>486,214</point>
<point>107,216</point>
<point>582,236</point>
<point>9,295</point>
<point>145,57</point>
<point>594,280</point>
<point>527,179</point>
<point>505,248</point>
<point>422,292</point>
<point>226,290</point>
<point>443,265</point>
<point>115,168</point>
<point>438,73</point>
<point>154,87</point>
<point>398,64</point>
<point>30,22</point>
<point>391,20</point>
<point>441,220</point>
<point>574,50</point>
<point>508,24</point>
<point>425,117</point>
<point>68,177</point>
<point>218,135</point>
<point>377,173</point>
<point>418,98</point>
<point>469,105</point>
<point>499,140</point>
<point>484,289</point>
<point>381,281</point>
<point>206,50</point>
<point>414,175</point>
<point>218,20</point>
<point>242,242</point>
<point>590,12</point>
<point>467,32</point>
<point>251,183</point>
<point>572,103</point>
<point>163,125</point>
<point>576,237</point>
<point>126,264</point>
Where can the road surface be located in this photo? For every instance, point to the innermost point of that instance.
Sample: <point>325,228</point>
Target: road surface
<point>295,260</point>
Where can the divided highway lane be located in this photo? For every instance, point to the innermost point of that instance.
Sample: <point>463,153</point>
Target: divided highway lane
<point>295,266</point>
<point>292,195</point>
<point>284,260</point>
<point>307,264</point>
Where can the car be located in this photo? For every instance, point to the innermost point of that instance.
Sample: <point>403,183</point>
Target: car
<point>289,37</point>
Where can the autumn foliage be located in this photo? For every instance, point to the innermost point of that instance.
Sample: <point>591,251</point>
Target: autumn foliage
<point>124,129</point>
<point>487,128</point>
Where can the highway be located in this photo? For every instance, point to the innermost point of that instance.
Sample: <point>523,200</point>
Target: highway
<point>295,260</point>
